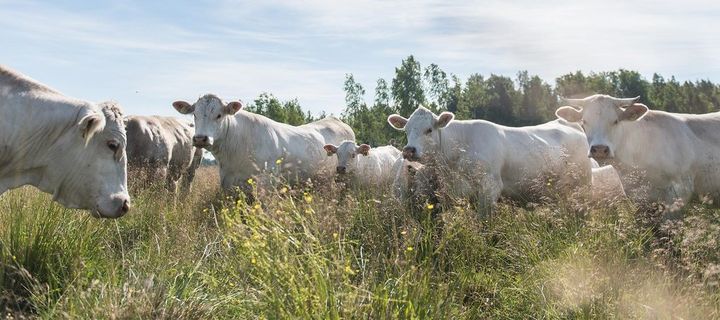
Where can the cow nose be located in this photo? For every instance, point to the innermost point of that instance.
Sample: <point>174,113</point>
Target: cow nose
<point>340,169</point>
<point>409,152</point>
<point>599,151</point>
<point>200,141</point>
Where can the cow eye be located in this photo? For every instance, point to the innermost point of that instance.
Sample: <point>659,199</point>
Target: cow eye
<point>113,145</point>
<point>428,131</point>
<point>218,116</point>
<point>615,122</point>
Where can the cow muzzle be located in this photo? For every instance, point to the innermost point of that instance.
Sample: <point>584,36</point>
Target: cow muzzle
<point>600,152</point>
<point>115,208</point>
<point>410,153</point>
<point>341,170</point>
<point>201,141</point>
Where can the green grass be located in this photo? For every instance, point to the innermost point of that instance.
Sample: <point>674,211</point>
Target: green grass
<point>357,254</point>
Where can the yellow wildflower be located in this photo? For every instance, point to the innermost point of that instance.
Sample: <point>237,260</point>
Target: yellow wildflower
<point>409,249</point>
<point>430,206</point>
<point>308,197</point>
<point>278,161</point>
<point>349,270</point>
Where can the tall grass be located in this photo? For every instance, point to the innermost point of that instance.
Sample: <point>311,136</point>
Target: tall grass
<point>332,253</point>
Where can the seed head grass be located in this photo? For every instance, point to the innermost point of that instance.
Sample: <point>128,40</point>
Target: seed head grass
<point>332,251</point>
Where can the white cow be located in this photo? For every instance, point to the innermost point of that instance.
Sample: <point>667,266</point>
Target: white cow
<point>675,155</point>
<point>246,144</point>
<point>491,159</point>
<point>370,166</point>
<point>161,149</point>
<point>63,146</point>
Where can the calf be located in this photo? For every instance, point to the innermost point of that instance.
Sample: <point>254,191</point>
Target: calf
<point>371,166</point>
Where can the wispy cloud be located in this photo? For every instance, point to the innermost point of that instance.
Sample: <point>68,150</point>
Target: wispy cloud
<point>146,54</point>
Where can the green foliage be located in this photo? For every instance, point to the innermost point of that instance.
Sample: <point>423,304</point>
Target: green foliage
<point>438,88</point>
<point>369,123</point>
<point>407,86</point>
<point>289,112</point>
<point>525,100</point>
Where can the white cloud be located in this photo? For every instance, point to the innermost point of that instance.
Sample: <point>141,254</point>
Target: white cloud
<point>303,49</point>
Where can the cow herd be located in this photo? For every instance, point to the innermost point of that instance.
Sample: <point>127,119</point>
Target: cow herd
<point>80,151</point>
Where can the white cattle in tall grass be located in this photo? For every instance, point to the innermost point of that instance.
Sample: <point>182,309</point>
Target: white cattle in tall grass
<point>370,166</point>
<point>63,146</point>
<point>488,160</point>
<point>161,149</point>
<point>247,144</point>
<point>662,157</point>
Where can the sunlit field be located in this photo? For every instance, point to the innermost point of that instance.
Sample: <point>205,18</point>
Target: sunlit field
<point>334,253</point>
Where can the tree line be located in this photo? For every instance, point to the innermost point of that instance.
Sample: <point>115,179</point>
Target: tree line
<point>524,100</point>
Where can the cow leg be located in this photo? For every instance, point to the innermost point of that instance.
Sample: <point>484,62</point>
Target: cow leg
<point>189,175</point>
<point>490,191</point>
<point>676,195</point>
<point>173,175</point>
<point>235,184</point>
<point>170,184</point>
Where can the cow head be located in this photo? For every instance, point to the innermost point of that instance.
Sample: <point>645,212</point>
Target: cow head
<point>603,118</point>
<point>347,153</point>
<point>210,115</point>
<point>90,171</point>
<point>422,128</point>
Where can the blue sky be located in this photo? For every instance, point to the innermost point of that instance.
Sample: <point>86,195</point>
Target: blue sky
<point>146,54</point>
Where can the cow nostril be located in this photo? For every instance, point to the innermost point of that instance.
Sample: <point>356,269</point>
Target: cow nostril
<point>409,152</point>
<point>599,150</point>
<point>125,207</point>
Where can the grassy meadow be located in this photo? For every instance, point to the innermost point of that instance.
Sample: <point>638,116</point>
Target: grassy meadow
<point>328,253</point>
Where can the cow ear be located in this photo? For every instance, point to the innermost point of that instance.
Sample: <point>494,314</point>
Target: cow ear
<point>183,107</point>
<point>364,149</point>
<point>444,119</point>
<point>568,114</point>
<point>90,125</point>
<point>397,121</point>
<point>634,112</point>
<point>233,107</point>
<point>330,149</point>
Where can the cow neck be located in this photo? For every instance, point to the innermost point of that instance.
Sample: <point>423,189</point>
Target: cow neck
<point>40,139</point>
<point>237,136</point>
